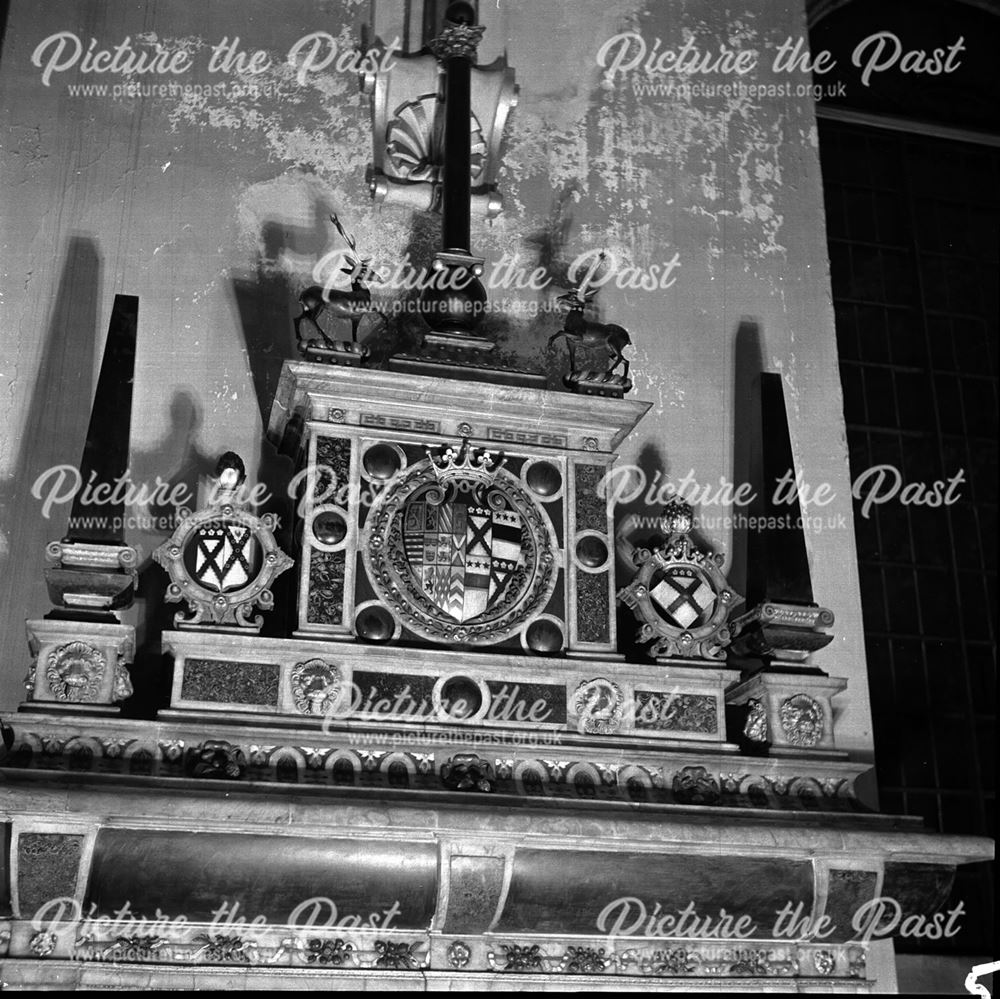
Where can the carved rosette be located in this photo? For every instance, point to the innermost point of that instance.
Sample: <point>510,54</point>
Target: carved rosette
<point>316,686</point>
<point>695,786</point>
<point>599,705</point>
<point>42,943</point>
<point>801,720</point>
<point>222,561</point>
<point>468,772</point>
<point>825,961</point>
<point>679,595</point>
<point>459,954</point>
<point>507,570</point>
<point>74,672</point>
<point>217,759</point>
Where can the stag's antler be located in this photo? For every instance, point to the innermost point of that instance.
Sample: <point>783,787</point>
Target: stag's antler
<point>581,295</point>
<point>348,239</point>
<point>359,269</point>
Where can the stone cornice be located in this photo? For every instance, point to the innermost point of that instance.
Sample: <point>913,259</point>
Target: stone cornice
<point>315,391</point>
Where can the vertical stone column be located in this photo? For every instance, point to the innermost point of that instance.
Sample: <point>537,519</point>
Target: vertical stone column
<point>590,560</point>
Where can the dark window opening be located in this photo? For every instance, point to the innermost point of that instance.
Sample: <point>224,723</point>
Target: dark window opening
<point>912,225</point>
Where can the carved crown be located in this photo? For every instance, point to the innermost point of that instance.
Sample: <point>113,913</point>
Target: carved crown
<point>466,462</point>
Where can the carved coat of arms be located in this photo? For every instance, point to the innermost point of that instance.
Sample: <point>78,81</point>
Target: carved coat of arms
<point>226,556</point>
<point>679,595</point>
<point>463,552</point>
<point>459,551</point>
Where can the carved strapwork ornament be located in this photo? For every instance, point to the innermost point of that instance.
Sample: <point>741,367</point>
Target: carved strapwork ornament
<point>679,594</point>
<point>223,559</point>
<point>458,551</point>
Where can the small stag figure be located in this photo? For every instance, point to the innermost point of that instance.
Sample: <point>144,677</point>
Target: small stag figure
<point>581,332</point>
<point>353,304</point>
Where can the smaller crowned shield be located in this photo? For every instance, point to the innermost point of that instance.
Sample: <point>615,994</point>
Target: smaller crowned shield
<point>683,596</point>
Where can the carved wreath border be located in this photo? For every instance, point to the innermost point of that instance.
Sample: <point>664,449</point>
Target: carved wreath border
<point>393,582</point>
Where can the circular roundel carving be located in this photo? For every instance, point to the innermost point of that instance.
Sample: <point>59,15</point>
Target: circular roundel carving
<point>543,478</point>
<point>592,551</point>
<point>544,635</point>
<point>374,623</point>
<point>329,527</point>
<point>459,550</point>
<point>461,697</point>
<point>382,461</point>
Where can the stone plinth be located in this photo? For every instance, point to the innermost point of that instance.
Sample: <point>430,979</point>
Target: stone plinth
<point>79,663</point>
<point>792,711</point>
<point>449,888</point>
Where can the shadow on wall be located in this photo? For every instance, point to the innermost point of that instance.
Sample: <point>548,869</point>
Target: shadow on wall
<point>177,450</point>
<point>550,245</point>
<point>263,298</point>
<point>654,474</point>
<point>652,467</point>
<point>54,433</point>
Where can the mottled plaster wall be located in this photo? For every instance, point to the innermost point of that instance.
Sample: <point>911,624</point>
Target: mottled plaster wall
<point>212,210</point>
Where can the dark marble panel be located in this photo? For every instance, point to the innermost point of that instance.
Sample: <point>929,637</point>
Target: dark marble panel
<point>591,509</point>
<point>593,606</point>
<point>47,868</point>
<point>411,691</point>
<point>848,891</point>
<point>556,892</point>
<point>920,889</point>
<point>193,874</point>
<point>333,456</point>
<point>326,587</point>
<point>219,681</point>
<point>513,701</point>
<point>676,712</point>
<point>4,869</point>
